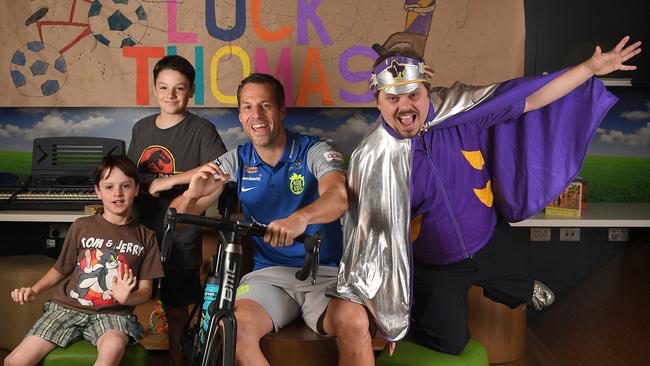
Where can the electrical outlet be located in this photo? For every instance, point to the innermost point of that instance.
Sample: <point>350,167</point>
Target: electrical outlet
<point>569,234</point>
<point>618,234</point>
<point>540,234</point>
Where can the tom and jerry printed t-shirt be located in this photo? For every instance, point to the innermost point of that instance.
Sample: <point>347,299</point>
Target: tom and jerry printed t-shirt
<point>93,250</point>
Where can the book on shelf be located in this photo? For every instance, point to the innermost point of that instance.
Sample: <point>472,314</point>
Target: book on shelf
<point>571,202</point>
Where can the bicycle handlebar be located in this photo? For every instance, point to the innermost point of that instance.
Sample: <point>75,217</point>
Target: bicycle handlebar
<point>240,228</point>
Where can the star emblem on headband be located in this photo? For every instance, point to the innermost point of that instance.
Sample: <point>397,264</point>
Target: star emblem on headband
<point>396,69</point>
<point>399,74</point>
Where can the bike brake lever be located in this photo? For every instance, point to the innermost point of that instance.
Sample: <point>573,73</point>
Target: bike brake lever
<point>168,236</point>
<point>312,258</point>
<point>315,260</point>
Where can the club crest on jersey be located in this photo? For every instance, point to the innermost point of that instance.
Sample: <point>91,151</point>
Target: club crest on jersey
<point>297,183</point>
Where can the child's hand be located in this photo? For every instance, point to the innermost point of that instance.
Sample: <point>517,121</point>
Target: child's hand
<point>208,180</point>
<point>123,284</point>
<point>158,185</point>
<point>23,295</point>
<point>603,63</point>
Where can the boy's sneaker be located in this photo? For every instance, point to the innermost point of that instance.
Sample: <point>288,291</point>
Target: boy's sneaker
<point>542,296</point>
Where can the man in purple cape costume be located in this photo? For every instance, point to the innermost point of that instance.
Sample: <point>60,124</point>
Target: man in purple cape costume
<point>481,153</point>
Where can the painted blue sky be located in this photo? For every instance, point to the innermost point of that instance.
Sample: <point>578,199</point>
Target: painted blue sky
<point>626,128</point>
<point>624,132</point>
<point>20,126</point>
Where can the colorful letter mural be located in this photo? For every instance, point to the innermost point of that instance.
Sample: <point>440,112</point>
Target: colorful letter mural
<point>100,52</point>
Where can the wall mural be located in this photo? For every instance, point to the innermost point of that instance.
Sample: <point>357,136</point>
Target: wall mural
<point>97,55</point>
<point>616,167</point>
<point>79,52</point>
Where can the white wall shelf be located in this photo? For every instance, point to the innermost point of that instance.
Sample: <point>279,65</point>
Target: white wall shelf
<point>40,216</point>
<point>597,214</point>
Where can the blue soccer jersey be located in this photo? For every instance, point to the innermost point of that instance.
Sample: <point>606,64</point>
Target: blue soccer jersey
<point>270,193</point>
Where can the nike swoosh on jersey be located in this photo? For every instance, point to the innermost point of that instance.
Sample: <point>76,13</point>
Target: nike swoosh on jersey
<point>246,189</point>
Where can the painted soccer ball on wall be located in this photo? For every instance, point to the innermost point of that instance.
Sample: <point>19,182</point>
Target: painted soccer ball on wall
<point>117,23</point>
<point>37,69</point>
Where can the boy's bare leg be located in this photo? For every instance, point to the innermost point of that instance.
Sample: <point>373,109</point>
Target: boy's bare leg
<point>349,322</point>
<point>29,352</point>
<point>176,318</point>
<point>110,348</point>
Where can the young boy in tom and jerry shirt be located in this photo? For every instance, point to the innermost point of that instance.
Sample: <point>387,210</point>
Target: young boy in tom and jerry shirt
<point>104,270</point>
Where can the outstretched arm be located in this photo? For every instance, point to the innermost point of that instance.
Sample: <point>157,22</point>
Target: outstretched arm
<point>598,64</point>
<point>164,184</point>
<point>331,204</point>
<point>49,280</point>
<point>204,189</point>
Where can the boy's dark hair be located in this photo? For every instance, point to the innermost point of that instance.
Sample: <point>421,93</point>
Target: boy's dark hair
<point>176,63</point>
<point>121,162</point>
<point>259,78</point>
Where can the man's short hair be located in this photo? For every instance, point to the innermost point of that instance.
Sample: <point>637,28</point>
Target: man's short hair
<point>121,162</point>
<point>176,63</point>
<point>259,78</point>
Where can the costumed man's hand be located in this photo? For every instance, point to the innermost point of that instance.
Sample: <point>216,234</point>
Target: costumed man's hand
<point>208,180</point>
<point>123,284</point>
<point>23,295</point>
<point>603,63</point>
<point>282,232</point>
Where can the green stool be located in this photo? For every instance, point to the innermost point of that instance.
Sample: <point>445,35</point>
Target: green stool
<point>83,353</point>
<point>411,354</point>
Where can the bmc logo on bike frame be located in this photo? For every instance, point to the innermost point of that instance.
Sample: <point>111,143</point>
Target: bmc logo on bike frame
<point>229,281</point>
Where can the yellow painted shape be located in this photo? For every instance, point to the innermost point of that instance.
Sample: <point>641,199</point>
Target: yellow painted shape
<point>485,194</point>
<point>475,158</point>
<point>242,290</point>
<point>246,70</point>
<point>416,224</point>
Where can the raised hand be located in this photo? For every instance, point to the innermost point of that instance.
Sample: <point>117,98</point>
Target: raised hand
<point>123,284</point>
<point>206,181</point>
<point>23,295</point>
<point>603,63</point>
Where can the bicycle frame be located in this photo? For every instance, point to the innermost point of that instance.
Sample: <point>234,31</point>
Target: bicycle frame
<point>228,268</point>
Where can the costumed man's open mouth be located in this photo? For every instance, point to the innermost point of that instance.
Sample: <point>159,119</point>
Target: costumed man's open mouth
<point>407,119</point>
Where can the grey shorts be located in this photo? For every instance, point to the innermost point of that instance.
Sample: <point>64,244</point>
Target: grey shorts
<point>285,298</point>
<point>62,326</point>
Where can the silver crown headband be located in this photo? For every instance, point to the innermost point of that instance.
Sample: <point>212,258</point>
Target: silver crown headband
<point>399,75</point>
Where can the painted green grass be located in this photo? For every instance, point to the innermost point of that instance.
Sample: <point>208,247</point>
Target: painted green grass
<point>16,162</point>
<point>610,179</point>
<point>617,179</point>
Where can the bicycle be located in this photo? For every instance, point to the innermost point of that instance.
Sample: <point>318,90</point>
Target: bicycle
<point>219,345</point>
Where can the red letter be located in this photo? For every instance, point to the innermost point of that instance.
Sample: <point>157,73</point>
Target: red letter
<point>142,56</point>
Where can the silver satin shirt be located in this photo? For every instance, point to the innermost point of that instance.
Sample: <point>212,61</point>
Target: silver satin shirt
<point>375,267</point>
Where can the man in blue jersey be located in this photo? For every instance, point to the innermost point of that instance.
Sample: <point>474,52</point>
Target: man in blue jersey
<point>294,184</point>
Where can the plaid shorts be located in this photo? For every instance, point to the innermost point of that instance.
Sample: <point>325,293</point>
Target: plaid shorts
<point>62,326</point>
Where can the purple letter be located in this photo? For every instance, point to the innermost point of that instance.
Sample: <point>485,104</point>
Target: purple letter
<point>355,77</point>
<point>307,11</point>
